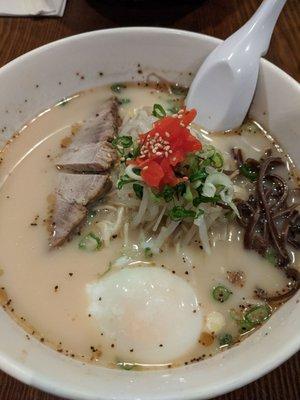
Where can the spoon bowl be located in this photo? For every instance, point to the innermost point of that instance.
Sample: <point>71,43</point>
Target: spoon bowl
<point>223,87</point>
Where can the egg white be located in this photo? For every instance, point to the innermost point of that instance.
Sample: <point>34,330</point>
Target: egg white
<point>148,314</point>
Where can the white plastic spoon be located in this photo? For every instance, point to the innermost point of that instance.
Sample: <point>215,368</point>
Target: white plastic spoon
<point>223,88</point>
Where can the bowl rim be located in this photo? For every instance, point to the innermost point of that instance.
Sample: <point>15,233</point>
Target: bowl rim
<point>28,375</point>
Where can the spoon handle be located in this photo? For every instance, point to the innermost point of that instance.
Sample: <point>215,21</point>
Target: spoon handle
<point>261,24</point>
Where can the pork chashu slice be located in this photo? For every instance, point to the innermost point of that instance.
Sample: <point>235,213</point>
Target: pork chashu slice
<point>93,157</point>
<point>74,192</point>
<point>90,150</point>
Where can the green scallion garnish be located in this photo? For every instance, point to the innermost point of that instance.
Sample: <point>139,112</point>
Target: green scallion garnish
<point>158,111</point>
<point>249,172</point>
<point>138,190</point>
<point>217,160</point>
<point>221,293</point>
<point>245,326</point>
<point>178,213</point>
<point>90,242</point>
<point>123,181</point>
<point>118,87</point>
<point>123,141</point>
<point>167,193</point>
<point>203,199</point>
<point>199,175</point>
<point>258,314</point>
<point>225,339</point>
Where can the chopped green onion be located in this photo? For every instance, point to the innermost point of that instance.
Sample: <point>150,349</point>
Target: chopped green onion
<point>221,293</point>
<point>180,189</point>
<point>188,195</point>
<point>158,111</point>
<point>125,100</point>
<point>225,339</point>
<point>178,213</point>
<point>199,213</point>
<point>167,193</point>
<point>258,314</point>
<point>154,197</point>
<point>136,171</point>
<point>148,252</point>
<point>217,160</point>
<point>204,199</point>
<point>118,87</point>
<point>123,141</point>
<point>245,326</point>
<point>138,190</point>
<point>135,152</point>
<point>249,172</point>
<point>123,181</point>
<point>90,242</point>
<point>125,365</point>
<point>199,175</point>
<point>270,255</point>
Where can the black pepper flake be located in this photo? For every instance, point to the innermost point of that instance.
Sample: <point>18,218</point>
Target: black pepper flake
<point>112,345</point>
<point>42,340</point>
<point>100,298</point>
<point>131,350</point>
<point>194,311</point>
<point>173,272</point>
<point>71,273</point>
<point>56,288</point>
<point>100,73</point>
<point>160,345</point>
<point>37,85</point>
<point>89,315</point>
<point>186,272</point>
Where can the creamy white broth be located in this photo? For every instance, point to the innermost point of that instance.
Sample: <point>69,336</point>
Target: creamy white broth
<point>47,288</point>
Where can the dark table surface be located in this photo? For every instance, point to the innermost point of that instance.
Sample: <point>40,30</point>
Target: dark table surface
<point>213,17</point>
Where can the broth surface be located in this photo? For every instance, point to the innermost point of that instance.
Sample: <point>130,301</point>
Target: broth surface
<point>45,290</point>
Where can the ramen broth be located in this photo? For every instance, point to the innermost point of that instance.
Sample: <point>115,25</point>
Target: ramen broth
<point>45,289</point>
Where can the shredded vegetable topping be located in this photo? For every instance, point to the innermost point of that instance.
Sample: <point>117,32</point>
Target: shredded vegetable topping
<point>168,183</point>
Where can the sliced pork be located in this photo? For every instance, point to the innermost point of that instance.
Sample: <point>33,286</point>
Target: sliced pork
<point>92,157</point>
<point>74,192</point>
<point>83,172</point>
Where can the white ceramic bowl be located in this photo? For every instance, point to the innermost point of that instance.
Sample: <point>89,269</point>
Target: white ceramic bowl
<point>116,53</point>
